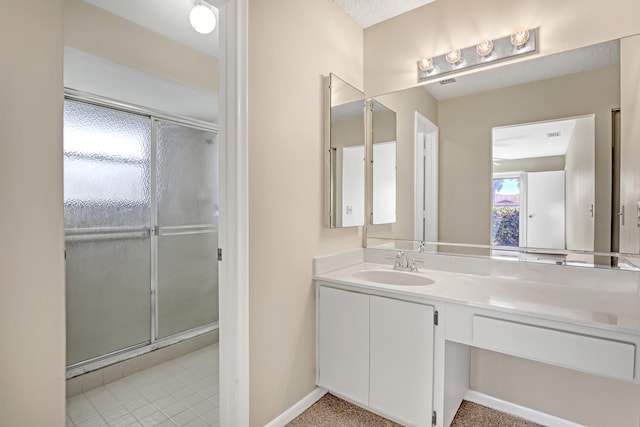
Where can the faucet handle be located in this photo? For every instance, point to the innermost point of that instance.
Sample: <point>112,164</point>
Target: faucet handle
<point>397,256</point>
<point>412,265</point>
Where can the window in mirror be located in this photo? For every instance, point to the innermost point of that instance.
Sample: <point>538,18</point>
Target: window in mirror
<point>344,154</point>
<point>506,221</point>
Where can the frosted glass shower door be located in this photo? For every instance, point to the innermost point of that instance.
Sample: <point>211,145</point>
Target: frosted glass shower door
<point>187,199</point>
<point>107,166</point>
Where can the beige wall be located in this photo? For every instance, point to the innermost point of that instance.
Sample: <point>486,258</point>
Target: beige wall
<point>96,31</point>
<point>32,318</point>
<point>392,48</point>
<point>583,398</point>
<point>292,44</point>
<point>465,145</point>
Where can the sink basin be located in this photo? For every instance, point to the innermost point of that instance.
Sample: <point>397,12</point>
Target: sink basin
<point>393,277</point>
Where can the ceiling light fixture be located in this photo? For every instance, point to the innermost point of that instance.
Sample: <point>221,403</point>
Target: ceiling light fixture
<point>202,18</point>
<point>486,51</point>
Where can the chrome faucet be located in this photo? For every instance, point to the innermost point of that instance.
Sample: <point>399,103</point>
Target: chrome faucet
<point>403,263</point>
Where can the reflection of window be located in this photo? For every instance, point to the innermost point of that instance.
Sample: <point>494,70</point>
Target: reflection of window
<point>505,224</point>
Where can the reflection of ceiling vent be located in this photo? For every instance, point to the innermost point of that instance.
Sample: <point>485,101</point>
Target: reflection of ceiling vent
<point>553,134</point>
<point>447,81</point>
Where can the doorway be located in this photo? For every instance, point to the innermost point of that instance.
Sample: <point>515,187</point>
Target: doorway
<point>233,225</point>
<point>426,182</point>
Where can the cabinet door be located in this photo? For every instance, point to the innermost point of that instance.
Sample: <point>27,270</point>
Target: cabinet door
<point>401,360</point>
<point>343,343</point>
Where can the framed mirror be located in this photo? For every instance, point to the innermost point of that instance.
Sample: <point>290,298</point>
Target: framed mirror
<point>344,165</point>
<point>466,113</point>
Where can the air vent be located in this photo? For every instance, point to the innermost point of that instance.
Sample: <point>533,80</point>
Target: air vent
<point>553,134</point>
<point>447,81</point>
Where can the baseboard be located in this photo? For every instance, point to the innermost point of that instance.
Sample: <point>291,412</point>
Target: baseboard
<point>518,411</point>
<point>302,405</point>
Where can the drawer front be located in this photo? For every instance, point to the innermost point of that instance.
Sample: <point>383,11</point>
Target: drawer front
<point>596,355</point>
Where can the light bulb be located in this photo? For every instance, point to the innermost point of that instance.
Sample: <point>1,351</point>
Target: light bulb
<point>453,56</point>
<point>484,48</point>
<point>202,19</point>
<point>425,64</point>
<point>519,37</point>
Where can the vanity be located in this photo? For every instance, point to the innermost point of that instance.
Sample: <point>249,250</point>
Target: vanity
<point>398,343</point>
<point>520,199</point>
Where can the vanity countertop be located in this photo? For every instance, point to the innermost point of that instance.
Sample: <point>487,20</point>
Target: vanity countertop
<point>618,311</point>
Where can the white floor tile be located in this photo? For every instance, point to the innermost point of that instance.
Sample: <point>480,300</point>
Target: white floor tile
<point>96,421</point>
<point>184,417</point>
<point>198,422</point>
<point>123,421</point>
<point>153,419</point>
<point>181,392</point>
<point>174,409</point>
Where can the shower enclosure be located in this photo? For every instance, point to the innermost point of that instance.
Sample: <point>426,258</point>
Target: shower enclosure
<point>141,217</point>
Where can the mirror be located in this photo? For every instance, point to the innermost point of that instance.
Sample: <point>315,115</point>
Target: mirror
<point>543,186</point>
<point>465,113</point>
<point>383,164</point>
<point>344,154</point>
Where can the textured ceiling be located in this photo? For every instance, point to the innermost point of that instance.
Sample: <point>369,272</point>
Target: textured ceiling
<point>370,12</point>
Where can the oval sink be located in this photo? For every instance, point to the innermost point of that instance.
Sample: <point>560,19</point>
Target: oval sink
<point>393,277</point>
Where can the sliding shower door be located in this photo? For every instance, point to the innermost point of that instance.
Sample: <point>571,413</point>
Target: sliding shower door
<point>107,166</point>
<point>188,228</point>
<point>141,215</point>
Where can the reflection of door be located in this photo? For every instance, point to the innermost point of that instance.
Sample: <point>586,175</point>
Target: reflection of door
<point>352,204</point>
<point>546,210</point>
<point>426,182</point>
<point>384,183</point>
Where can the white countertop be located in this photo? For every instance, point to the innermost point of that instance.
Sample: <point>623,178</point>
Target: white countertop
<point>617,311</point>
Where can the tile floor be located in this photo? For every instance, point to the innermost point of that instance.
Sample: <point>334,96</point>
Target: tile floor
<point>181,392</point>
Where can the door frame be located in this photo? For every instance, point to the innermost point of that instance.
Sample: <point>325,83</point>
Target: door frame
<point>425,199</point>
<point>234,212</point>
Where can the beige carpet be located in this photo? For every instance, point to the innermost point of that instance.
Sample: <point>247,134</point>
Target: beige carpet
<point>331,411</point>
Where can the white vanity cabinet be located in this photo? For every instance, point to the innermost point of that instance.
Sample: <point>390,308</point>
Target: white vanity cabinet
<point>377,352</point>
<point>343,343</point>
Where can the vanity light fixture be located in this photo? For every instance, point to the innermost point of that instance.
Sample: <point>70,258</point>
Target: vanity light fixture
<point>425,64</point>
<point>519,37</point>
<point>453,56</point>
<point>202,18</point>
<point>520,42</point>
<point>484,48</point>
